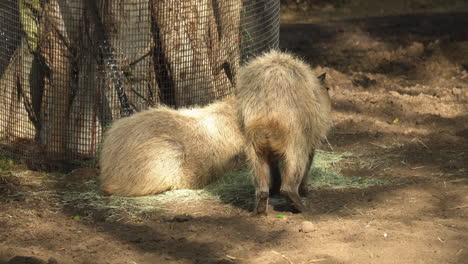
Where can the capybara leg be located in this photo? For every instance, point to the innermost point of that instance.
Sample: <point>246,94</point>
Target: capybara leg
<point>304,188</point>
<point>261,203</point>
<point>275,175</point>
<point>262,177</point>
<point>294,200</point>
<point>292,178</point>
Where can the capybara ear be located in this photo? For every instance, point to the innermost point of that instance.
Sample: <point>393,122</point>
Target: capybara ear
<point>322,77</point>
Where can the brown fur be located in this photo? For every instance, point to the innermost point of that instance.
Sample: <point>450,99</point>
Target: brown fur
<point>285,114</point>
<point>163,149</point>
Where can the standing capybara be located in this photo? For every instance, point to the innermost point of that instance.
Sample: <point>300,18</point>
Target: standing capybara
<point>163,149</point>
<point>285,113</point>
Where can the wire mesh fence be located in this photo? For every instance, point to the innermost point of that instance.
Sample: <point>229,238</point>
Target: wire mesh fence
<point>69,68</point>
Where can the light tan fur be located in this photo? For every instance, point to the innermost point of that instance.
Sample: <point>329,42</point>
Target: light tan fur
<point>285,113</point>
<point>163,149</point>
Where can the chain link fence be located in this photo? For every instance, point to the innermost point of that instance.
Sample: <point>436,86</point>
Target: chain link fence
<point>68,68</point>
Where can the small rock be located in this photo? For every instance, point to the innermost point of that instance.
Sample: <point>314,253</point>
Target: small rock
<point>415,49</point>
<point>193,228</point>
<point>457,91</point>
<point>307,227</point>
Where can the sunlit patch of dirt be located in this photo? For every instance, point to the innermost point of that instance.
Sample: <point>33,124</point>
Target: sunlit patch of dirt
<point>400,99</point>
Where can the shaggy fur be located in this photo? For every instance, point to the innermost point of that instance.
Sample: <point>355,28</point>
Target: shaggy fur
<point>285,114</point>
<point>163,149</point>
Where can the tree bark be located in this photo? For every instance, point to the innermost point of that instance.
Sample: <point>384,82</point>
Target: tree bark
<point>63,89</point>
<point>193,37</point>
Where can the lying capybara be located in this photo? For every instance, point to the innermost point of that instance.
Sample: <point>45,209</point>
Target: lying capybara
<point>285,113</point>
<point>164,149</point>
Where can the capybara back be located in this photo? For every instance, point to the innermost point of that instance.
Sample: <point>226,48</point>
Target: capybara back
<point>162,149</point>
<point>285,114</point>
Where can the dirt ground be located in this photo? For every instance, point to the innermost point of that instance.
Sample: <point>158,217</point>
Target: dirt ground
<point>400,96</point>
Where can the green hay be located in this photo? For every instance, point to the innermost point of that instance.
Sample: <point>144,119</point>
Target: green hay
<point>326,172</point>
<point>237,187</point>
<point>329,179</point>
<point>233,188</point>
<point>236,181</point>
<point>93,200</point>
<point>8,164</point>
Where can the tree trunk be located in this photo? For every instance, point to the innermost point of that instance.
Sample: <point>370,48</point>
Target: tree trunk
<point>54,110</point>
<point>64,85</point>
<point>15,122</point>
<point>191,38</point>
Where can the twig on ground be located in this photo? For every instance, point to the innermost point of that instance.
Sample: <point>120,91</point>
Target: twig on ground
<point>422,143</point>
<point>233,258</point>
<point>282,255</point>
<point>459,207</point>
<point>313,261</point>
<point>380,146</point>
<point>328,142</point>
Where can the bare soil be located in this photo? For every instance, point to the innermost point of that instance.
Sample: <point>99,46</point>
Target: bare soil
<point>400,91</point>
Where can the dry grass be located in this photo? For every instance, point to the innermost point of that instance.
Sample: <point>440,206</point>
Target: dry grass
<point>233,188</point>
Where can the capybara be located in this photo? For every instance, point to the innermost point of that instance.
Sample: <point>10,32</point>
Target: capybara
<point>164,149</point>
<point>285,113</point>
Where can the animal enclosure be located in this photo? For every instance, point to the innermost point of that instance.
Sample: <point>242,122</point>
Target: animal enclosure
<point>69,68</point>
